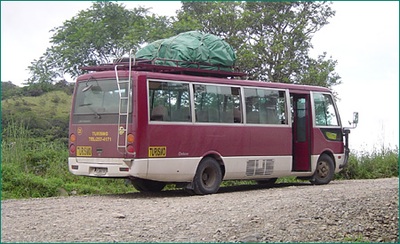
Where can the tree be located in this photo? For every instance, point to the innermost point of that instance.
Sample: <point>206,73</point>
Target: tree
<point>8,89</point>
<point>104,32</point>
<point>272,39</point>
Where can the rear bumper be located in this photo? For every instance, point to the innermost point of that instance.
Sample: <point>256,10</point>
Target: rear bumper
<point>107,168</point>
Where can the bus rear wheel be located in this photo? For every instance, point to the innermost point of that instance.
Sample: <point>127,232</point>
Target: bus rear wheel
<point>208,177</point>
<point>143,185</point>
<point>324,172</point>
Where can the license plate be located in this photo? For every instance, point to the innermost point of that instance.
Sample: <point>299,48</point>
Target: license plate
<point>83,151</point>
<point>157,152</point>
<point>100,171</point>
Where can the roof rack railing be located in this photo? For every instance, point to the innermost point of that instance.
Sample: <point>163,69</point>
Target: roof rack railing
<point>162,65</point>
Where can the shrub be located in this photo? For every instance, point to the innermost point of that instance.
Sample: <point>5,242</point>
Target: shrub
<point>380,163</point>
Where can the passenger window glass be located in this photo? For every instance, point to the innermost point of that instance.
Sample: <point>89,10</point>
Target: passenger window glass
<point>169,101</point>
<point>217,104</point>
<point>325,113</point>
<point>264,106</point>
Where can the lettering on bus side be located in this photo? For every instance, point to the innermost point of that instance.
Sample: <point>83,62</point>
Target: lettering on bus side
<point>157,152</point>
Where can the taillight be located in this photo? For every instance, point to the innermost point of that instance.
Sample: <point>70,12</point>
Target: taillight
<point>130,148</point>
<point>130,139</point>
<point>72,137</point>
<point>72,149</point>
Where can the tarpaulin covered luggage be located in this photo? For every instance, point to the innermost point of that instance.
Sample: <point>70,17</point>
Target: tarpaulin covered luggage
<point>191,49</point>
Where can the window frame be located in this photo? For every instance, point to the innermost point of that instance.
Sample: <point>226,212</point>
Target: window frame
<point>218,85</point>
<point>242,105</point>
<point>168,121</point>
<point>288,116</point>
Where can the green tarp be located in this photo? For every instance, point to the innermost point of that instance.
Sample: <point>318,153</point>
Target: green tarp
<point>191,47</point>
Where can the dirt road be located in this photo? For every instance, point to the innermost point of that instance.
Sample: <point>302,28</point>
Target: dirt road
<point>359,210</point>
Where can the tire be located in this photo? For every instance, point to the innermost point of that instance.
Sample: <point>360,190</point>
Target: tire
<point>208,177</point>
<point>268,182</point>
<point>324,172</point>
<point>143,185</point>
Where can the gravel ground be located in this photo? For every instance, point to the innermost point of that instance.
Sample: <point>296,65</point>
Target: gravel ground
<point>351,210</point>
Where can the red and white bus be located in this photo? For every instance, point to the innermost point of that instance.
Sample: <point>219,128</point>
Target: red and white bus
<point>158,125</point>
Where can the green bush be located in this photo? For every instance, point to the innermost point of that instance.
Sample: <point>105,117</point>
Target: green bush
<point>380,163</point>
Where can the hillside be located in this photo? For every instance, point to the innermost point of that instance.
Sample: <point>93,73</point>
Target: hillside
<point>44,116</point>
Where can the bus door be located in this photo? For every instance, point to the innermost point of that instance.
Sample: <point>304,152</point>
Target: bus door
<point>301,132</point>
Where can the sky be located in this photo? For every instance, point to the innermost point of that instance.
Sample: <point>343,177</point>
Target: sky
<point>363,37</point>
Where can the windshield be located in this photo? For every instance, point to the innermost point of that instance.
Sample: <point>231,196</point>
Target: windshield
<point>100,97</point>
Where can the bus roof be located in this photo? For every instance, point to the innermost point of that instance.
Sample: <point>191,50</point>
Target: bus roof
<point>191,78</point>
<point>151,70</point>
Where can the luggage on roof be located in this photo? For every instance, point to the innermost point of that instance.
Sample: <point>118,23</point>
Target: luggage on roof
<point>191,49</point>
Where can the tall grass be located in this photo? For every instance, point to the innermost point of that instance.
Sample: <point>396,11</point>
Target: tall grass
<point>35,167</point>
<point>379,163</point>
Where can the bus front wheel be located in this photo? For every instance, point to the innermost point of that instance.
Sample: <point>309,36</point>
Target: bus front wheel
<point>324,171</point>
<point>208,177</point>
<point>143,185</point>
<point>267,182</point>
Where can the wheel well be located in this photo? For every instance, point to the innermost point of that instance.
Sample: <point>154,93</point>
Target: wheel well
<point>218,158</point>
<point>330,154</point>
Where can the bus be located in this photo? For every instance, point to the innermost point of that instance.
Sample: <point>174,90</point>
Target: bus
<point>156,125</point>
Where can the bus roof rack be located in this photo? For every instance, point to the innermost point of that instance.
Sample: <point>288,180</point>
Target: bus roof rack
<point>173,67</point>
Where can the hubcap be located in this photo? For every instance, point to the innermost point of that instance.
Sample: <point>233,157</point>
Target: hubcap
<point>208,177</point>
<point>323,169</point>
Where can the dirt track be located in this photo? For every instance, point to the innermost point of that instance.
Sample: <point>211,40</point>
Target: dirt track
<point>362,210</point>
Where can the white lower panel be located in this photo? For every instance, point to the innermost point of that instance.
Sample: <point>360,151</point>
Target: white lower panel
<point>172,169</point>
<point>184,169</point>
<point>257,167</point>
<point>338,160</point>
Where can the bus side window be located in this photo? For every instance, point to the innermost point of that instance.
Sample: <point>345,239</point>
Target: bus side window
<point>169,101</point>
<point>217,104</point>
<point>265,106</point>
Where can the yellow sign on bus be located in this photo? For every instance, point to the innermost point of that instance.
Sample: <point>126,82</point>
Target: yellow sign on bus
<point>157,152</point>
<point>83,151</point>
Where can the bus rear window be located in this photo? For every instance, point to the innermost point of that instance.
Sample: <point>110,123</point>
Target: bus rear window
<point>99,96</point>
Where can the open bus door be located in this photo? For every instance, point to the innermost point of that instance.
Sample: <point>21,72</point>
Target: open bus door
<point>301,132</point>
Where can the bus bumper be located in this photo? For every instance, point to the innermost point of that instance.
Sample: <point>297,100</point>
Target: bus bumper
<point>101,167</point>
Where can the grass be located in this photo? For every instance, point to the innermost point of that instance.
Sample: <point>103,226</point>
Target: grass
<point>38,168</point>
<point>55,102</point>
<point>380,163</point>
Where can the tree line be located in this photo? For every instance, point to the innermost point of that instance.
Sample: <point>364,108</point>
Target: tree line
<point>272,40</point>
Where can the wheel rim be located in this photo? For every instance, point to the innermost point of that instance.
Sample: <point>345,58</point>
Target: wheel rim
<point>208,177</point>
<point>323,169</point>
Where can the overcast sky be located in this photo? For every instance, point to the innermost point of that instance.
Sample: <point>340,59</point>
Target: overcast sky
<point>363,37</point>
